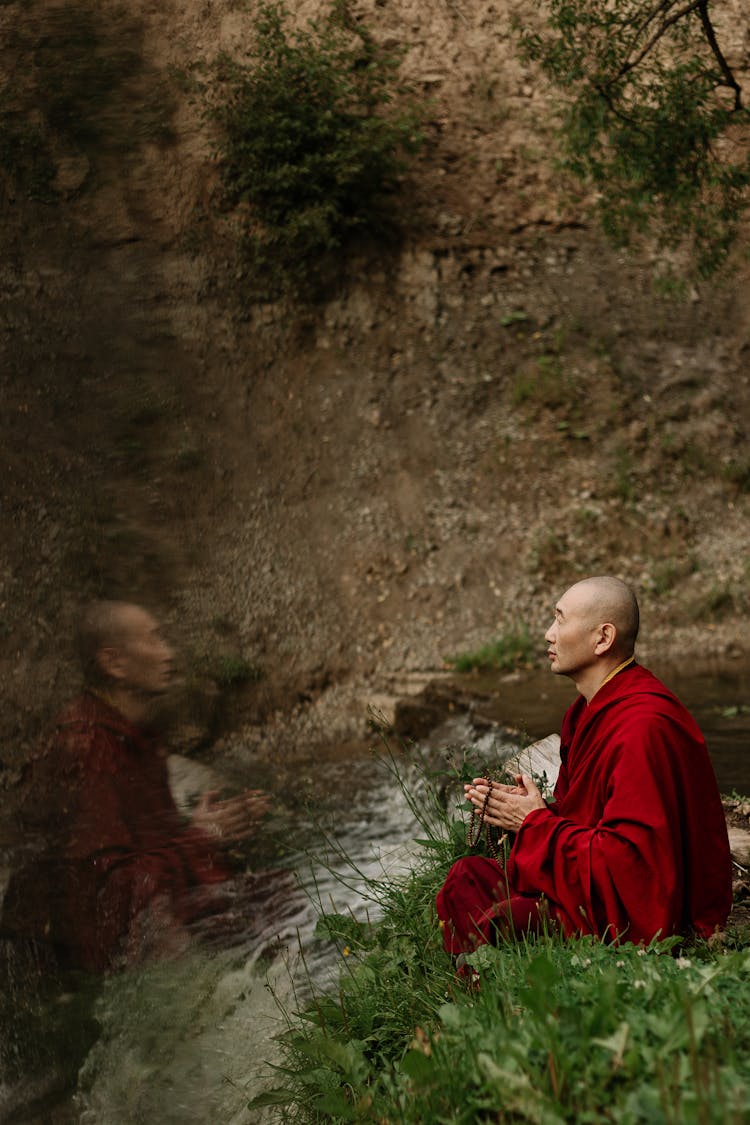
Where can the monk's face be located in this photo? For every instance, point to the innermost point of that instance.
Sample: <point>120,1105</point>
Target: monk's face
<point>571,637</point>
<point>141,660</point>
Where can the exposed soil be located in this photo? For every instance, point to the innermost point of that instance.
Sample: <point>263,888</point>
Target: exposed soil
<point>341,495</point>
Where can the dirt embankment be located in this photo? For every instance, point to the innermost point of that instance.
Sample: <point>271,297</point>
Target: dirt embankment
<point>340,495</point>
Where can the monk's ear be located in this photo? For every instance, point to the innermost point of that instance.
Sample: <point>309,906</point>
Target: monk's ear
<point>606,638</point>
<point>110,662</point>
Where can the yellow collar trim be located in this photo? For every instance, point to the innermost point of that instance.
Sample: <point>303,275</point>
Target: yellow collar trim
<point>620,668</point>
<point>104,696</point>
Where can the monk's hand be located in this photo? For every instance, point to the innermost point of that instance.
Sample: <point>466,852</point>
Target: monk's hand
<point>508,805</point>
<point>233,819</point>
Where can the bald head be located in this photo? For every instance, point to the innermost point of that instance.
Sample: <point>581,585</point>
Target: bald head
<point>121,645</point>
<point>103,624</point>
<point>607,600</point>
<point>594,631</point>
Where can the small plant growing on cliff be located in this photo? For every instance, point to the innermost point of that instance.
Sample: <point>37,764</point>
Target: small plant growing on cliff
<point>228,670</point>
<point>312,146</point>
<point>511,650</point>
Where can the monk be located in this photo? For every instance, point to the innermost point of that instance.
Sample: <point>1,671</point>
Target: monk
<point>115,873</point>
<point>634,844</point>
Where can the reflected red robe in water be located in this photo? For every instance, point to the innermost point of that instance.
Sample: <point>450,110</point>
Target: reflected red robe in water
<point>110,841</point>
<point>635,844</point>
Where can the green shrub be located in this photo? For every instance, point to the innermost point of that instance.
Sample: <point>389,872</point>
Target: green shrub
<point>503,653</point>
<point>310,142</point>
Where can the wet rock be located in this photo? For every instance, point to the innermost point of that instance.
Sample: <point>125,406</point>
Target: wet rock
<point>739,843</point>
<point>416,717</point>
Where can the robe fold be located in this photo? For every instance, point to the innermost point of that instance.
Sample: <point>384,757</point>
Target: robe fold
<point>634,845</point>
<point>104,841</point>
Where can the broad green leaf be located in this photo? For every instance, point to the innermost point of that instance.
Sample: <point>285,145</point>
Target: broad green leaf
<point>279,1096</point>
<point>418,1066</point>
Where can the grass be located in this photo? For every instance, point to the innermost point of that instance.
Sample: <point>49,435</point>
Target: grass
<point>720,599</point>
<point>737,472</point>
<point>543,386</point>
<point>511,650</point>
<point>668,573</point>
<point>228,670</point>
<point>623,480</point>
<point>557,1031</point>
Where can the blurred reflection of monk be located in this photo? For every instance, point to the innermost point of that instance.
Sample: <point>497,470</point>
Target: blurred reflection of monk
<point>118,874</point>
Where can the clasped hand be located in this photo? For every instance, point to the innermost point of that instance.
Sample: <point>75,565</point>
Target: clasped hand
<point>233,819</point>
<point>508,805</point>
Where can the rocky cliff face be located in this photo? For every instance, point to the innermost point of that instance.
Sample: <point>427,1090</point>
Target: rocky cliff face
<point>343,493</point>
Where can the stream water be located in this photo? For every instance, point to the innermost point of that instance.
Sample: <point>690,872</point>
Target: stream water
<point>718,696</point>
<point>192,1043</point>
<point>189,1040</point>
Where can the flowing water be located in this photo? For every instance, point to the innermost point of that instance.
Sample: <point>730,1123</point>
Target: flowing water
<point>189,1040</point>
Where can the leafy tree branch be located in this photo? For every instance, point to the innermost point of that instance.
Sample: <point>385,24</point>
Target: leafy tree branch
<point>645,119</point>
<point>726,70</point>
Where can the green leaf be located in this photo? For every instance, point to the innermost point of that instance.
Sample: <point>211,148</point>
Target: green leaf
<point>334,1103</point>
<point>451,1015</point>
<point>513,318</point>
<point>519,1096</point>
<point>279,1096</point>
<point>418,1066</point>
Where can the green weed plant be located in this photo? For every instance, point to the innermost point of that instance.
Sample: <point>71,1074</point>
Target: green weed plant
<point>544,386</point>
<point>555,1031</point>
<point>312,144</point>
<point>229,670</point>
<point>511,650</point>
<point>232,670</point>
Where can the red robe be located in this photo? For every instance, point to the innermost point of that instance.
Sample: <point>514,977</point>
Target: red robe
<point>106,838</point>
<point>635,844</point>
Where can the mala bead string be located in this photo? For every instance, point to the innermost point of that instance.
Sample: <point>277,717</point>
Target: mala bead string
<point>472,838</point>
<point>494,846</point>
<point>473,833</point>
